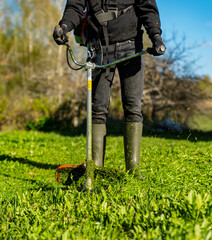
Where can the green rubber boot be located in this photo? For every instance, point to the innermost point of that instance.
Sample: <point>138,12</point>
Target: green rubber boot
<point>132,145</point>
<point>98,143</point>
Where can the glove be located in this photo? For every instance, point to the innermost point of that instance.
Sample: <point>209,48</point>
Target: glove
<point>60,34</point>
<point>158,47</point>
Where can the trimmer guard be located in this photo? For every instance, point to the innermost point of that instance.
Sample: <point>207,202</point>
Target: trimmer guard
<point>66,169</point>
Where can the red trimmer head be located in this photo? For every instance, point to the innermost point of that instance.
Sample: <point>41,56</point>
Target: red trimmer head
<point>63,171</point>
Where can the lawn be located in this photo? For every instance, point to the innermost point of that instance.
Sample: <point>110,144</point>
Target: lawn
<point>173,202</point>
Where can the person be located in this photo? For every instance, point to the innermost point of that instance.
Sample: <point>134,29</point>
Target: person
<point>117,27</point>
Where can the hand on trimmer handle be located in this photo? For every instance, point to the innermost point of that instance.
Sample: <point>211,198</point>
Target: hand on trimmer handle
<point>158,47</point>
<point>60,34</point>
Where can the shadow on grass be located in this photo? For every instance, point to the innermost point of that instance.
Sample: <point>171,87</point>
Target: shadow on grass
<point>190,135</point>
<point>28,162</point>
<point>103,177</point>
<point>71,176</point>
<point>18,178</point>
<point>35,184</point>
<point>116,128</point>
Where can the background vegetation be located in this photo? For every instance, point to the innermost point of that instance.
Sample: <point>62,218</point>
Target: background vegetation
<point>37,87</point>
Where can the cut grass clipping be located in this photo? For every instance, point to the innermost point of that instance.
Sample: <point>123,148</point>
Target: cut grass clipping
<point>173,202</point>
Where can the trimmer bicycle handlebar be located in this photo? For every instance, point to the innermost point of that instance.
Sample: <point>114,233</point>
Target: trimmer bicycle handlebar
<point>93,65</point>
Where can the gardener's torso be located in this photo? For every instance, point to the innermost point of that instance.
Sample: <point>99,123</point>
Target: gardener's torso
<point>126,26</point>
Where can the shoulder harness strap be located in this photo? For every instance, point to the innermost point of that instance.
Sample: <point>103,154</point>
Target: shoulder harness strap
<point>103,16</point>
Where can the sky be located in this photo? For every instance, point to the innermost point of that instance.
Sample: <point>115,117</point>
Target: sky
<point>192,19</point>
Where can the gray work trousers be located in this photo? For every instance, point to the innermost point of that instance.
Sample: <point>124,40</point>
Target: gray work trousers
<point>131,79</point>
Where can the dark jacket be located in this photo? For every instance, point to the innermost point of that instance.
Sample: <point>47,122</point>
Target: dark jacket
<point>126,26</point>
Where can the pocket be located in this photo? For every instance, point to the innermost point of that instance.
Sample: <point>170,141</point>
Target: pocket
<point>125,49</point>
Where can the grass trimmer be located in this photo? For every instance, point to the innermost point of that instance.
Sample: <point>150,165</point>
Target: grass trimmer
<point>89,166</point>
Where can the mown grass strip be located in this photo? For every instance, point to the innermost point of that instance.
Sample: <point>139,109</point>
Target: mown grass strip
<point>174,202</point>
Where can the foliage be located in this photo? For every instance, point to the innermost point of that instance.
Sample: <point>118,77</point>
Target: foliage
<point>17,114</point>
<point>172,90</point>
<point>33,67</point>
<point>174,202</point>
<point>202,122</point>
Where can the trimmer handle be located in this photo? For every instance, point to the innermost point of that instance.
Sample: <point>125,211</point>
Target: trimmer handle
<point>160,50</point>
<point>60,34</point>
<point>93,65</point>
<point>59,31</point>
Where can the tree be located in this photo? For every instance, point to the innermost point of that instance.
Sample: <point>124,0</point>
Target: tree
<point>33,67</point>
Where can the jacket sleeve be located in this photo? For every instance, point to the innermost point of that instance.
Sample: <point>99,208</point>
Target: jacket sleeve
<point>149,16</point>
<point>73,13</point>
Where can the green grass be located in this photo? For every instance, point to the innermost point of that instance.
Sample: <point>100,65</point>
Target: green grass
<point>173,202</point>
